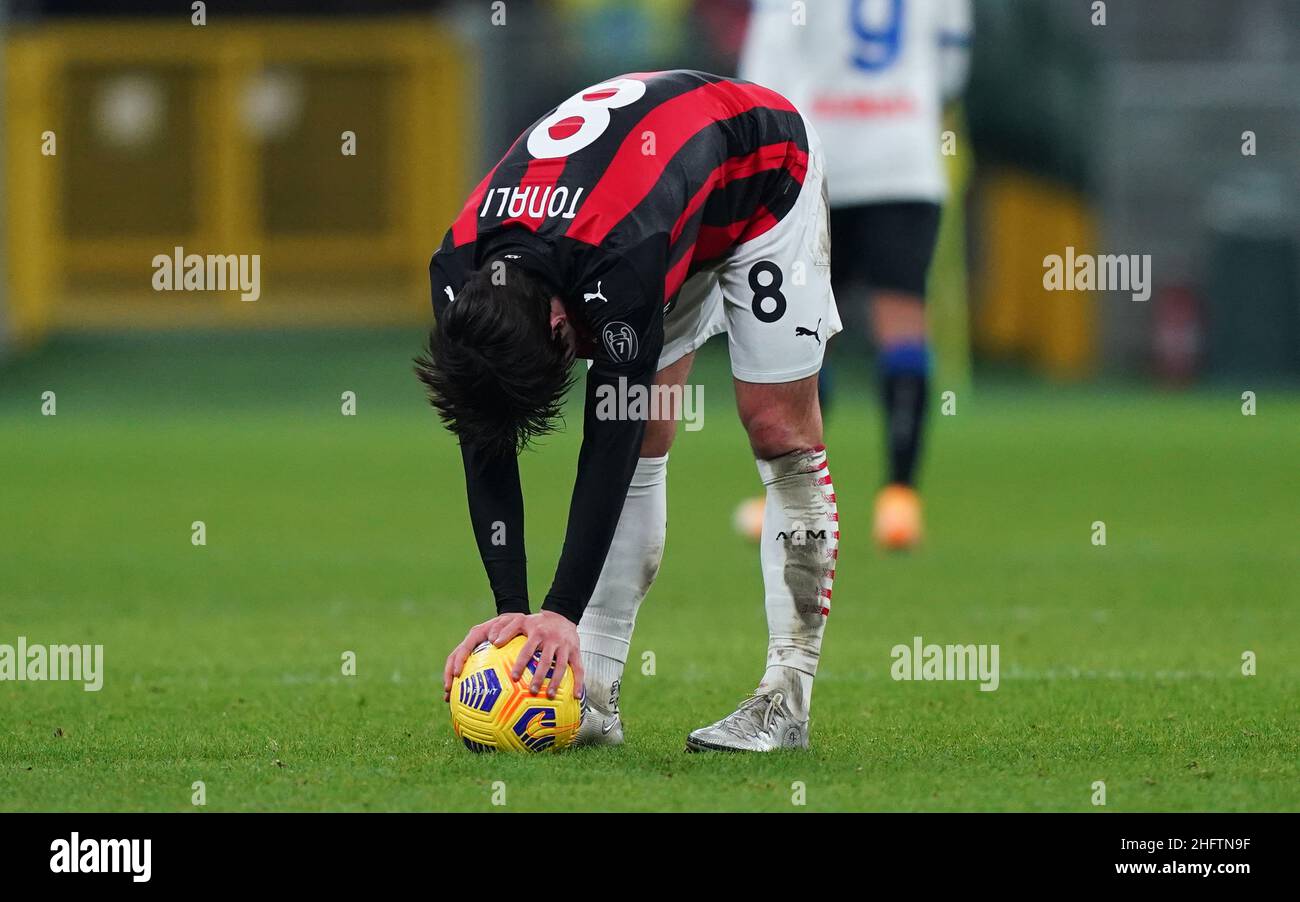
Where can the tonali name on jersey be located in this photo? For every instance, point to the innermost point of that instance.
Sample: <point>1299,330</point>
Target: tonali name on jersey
<point>665,171</point>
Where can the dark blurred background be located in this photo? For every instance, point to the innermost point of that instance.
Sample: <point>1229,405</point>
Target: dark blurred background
<point>1122,138</point>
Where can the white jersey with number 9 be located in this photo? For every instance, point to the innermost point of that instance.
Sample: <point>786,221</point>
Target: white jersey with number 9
<point>872,75</point>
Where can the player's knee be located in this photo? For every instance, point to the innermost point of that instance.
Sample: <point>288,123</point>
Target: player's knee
<point>773,433</point>
<point>659,435</point>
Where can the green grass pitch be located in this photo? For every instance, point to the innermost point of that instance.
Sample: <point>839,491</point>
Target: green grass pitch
<point>328,534</point>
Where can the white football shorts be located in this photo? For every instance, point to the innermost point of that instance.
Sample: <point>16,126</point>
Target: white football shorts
<point>772,296</point>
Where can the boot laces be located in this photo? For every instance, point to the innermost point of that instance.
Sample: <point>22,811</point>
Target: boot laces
<point>755,715</point>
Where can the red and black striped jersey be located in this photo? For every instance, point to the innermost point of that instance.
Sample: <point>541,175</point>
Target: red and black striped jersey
<point>615,198</point>
<point>645,178</point>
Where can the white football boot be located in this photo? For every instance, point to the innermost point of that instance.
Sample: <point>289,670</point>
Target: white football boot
<point>762,723</point>
<point>600,726</point>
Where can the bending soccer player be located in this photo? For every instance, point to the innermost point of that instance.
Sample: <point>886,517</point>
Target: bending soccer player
<point>874,78</point>
<point>629,225</point>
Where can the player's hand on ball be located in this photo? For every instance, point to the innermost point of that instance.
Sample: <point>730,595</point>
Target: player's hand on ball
<point>499,630</point>
<point>557,638</point>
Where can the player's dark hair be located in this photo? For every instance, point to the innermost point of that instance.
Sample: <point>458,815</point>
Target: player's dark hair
<point>495,373</point>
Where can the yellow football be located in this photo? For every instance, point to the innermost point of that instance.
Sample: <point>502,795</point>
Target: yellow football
<point>491,712</point>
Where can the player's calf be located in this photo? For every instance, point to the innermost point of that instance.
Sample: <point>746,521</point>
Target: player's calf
<point>799,550</point>
<point>800,547</point>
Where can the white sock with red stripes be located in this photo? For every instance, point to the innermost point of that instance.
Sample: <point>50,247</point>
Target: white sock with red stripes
<point>801,533</point>
<point>605,632</point>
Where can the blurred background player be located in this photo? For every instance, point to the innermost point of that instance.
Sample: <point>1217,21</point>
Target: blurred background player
<point>873,75</point>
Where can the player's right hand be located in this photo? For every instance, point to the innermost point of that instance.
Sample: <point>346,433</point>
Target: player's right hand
<point>499,630</point>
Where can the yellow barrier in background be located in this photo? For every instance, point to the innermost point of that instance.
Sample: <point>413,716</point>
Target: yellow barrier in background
<point>229,139</point>
<point>1023,219</point>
